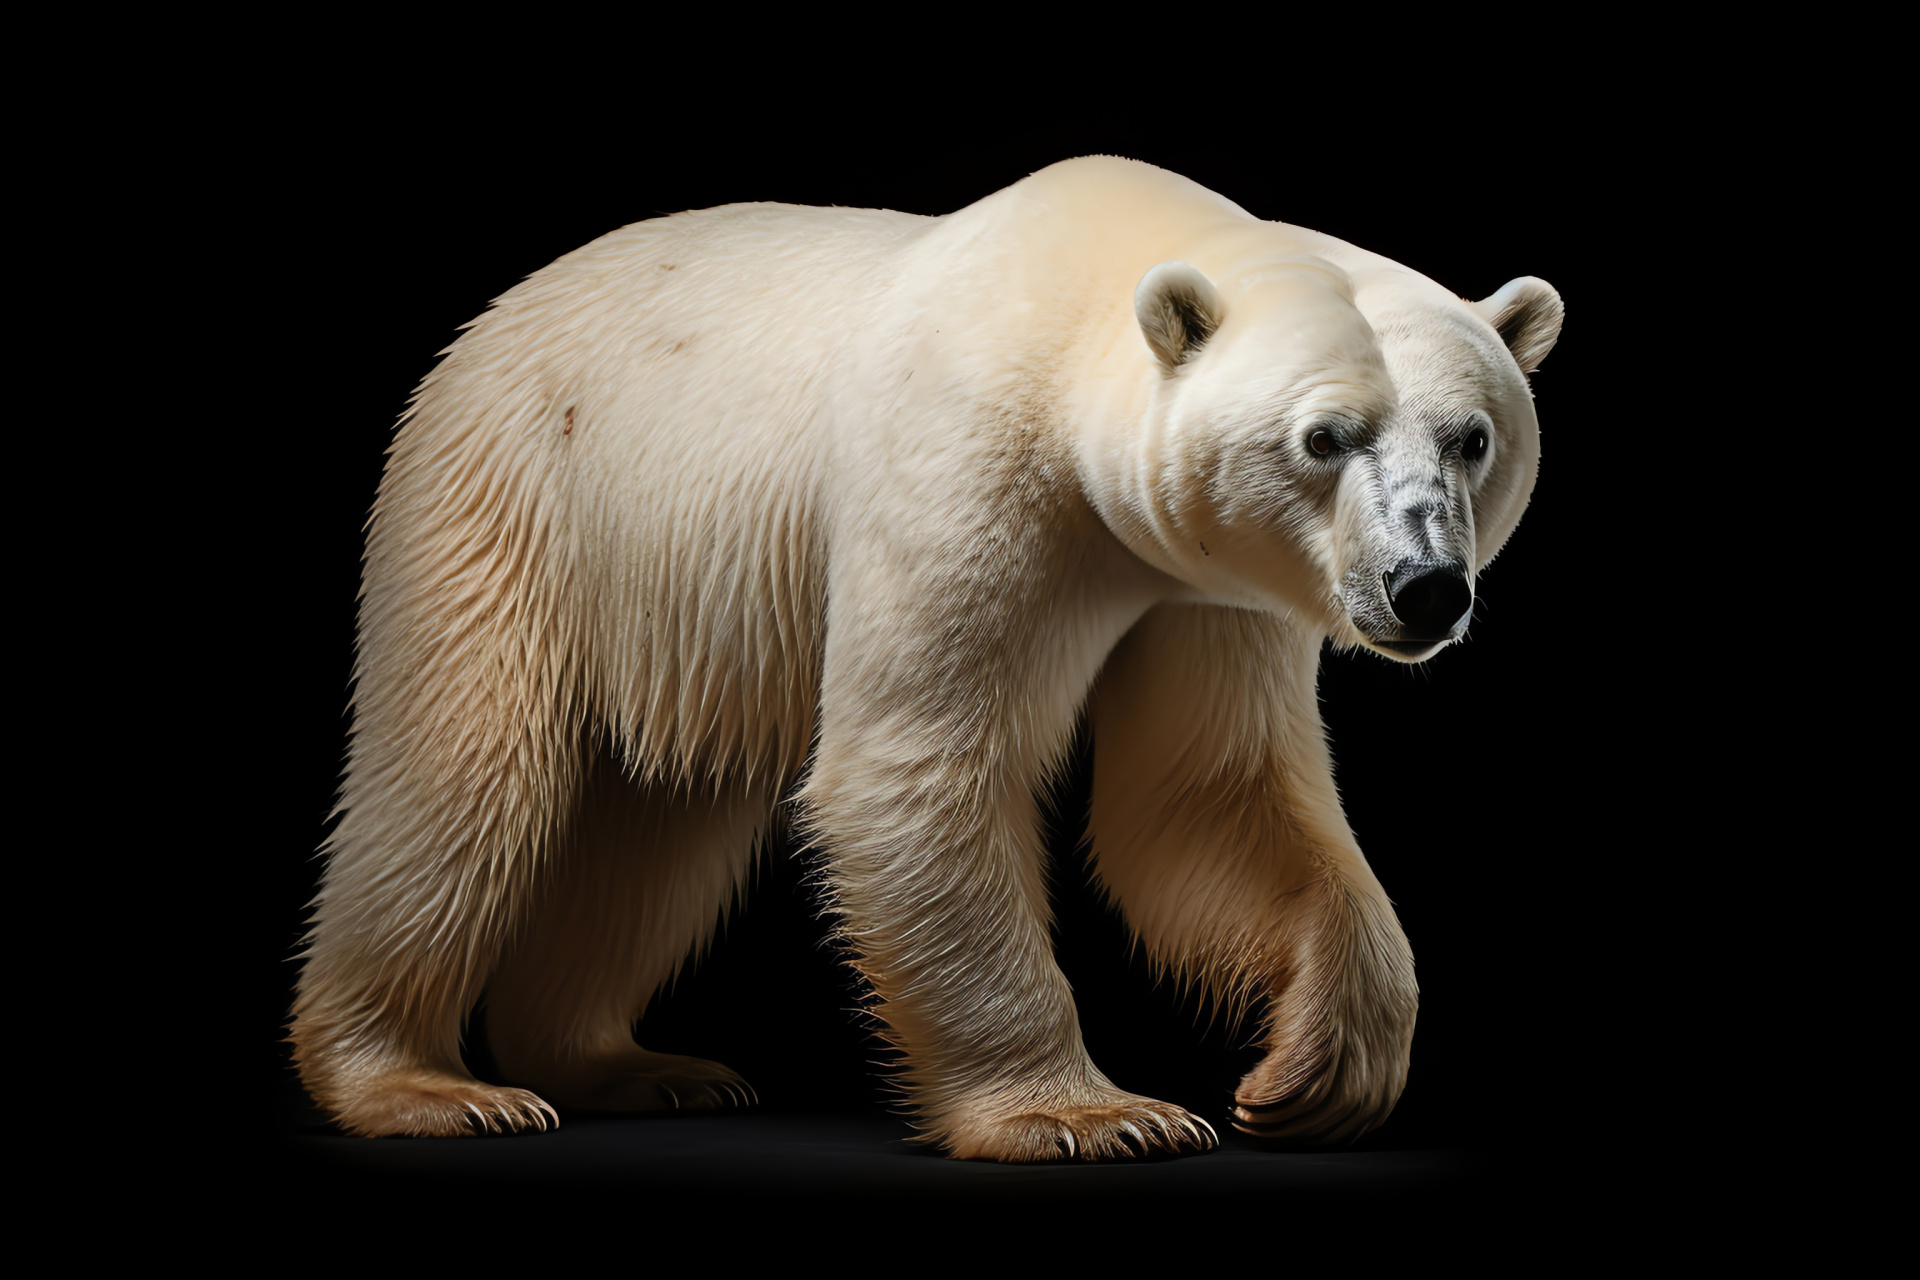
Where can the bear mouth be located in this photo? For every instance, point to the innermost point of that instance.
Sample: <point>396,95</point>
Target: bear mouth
<point>1414,648</point>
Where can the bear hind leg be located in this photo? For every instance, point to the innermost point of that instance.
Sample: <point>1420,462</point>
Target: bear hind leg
<point>648,876</point>
<point>424,1103</point>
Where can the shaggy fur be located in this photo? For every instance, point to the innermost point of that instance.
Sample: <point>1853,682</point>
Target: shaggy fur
<point>865,501</point>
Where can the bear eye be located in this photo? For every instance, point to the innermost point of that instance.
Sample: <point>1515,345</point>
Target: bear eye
<point>1322,443</point>
<point>1475,446</point>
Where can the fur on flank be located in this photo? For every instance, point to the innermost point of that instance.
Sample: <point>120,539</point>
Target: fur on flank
<point>866,509</point>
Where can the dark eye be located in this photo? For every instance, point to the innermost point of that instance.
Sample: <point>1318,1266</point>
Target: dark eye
<point>1322,443</point>
<point>1475,446</point>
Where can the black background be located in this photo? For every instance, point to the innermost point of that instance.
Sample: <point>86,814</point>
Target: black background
<point>1499,791</point>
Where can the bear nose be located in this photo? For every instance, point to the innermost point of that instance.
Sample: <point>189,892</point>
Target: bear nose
<point>1429,599</point>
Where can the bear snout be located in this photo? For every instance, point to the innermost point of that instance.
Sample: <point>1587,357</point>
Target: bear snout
<point>1430,600</point>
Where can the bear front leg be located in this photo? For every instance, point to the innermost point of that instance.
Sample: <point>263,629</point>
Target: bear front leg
<point>944,701</point>
<point>1217,829</point>
<point>934,870</point>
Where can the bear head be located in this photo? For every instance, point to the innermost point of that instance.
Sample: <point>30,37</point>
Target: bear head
<point>1316,431</point>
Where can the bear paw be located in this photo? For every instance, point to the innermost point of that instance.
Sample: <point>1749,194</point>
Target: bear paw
<point>438,1104</point>
<point>1333,1107</point>
<point>1121,1127</point>
<point>640,1080</point>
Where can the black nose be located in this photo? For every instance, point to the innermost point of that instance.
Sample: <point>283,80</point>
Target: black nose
<point>1429,599</point>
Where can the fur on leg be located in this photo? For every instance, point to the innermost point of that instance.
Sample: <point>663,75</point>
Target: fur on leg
<point>1217,830</point>
<point>961,652</point>
<point>649,873</point>
<point>462,775</point>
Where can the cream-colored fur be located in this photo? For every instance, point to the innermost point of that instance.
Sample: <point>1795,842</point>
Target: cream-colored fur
<point>880,504</point>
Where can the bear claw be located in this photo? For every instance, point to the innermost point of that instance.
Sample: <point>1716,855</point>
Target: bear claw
<point>440,1105</point>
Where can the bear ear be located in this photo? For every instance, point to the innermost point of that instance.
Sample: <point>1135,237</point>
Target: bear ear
<point>1526,313</point>
<point>1178,309</point>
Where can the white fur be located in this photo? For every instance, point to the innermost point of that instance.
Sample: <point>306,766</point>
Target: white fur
<point>736,498</point>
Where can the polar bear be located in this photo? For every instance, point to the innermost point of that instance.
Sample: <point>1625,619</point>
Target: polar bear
<point>859,512</point>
